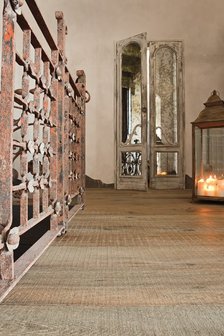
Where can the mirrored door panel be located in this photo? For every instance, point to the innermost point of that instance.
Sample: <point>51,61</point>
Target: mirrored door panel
<point>166,145</point>
<point>131,93</point>
<point>165,96</point>
<point>131,113</point>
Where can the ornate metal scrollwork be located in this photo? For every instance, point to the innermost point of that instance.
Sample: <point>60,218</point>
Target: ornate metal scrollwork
<point>57,208</point>
<point>80,195</point>
<point>30,185</point>
<point>1,242</point>
<point>68,200</point>
<point>16,4</point>
<point>13,239</point>
<point>131,164</point>
<point>68,89</point>
<point>58,74</point>
<point>10,240</point>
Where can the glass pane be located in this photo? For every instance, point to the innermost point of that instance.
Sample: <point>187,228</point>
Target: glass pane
<point>198,152</point>
<point>131,163</point>
<point>131,94</point>
<point>166,163</point>
<point>209,174</point>
<point>165,97</point>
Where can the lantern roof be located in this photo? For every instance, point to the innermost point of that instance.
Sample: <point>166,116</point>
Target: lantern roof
<point>213,111</point>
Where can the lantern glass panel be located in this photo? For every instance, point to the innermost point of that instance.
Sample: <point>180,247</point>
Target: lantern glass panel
<point>209,161</point>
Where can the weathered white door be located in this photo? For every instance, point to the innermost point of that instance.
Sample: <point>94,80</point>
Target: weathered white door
<point>166,141</point>
<point>131,113</point>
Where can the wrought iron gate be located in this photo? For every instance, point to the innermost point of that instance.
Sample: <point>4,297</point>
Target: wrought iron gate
<point>42,140</point>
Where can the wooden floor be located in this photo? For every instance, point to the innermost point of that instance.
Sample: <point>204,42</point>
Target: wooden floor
<point>153,202</point>
<point>131,264</point>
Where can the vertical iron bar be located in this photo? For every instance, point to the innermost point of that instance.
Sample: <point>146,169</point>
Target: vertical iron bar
<point>77,147</point>
<point>66,138</point>
<point>60,134</point>
<point>72,150</point>
<point>82,146</point>
<point>6,126</point>
<point>82,89</point>
<point>24,129</point>
<point>36,135</point>
<point>54,139</point>
<point>46,139</point>
<point>61,31</point>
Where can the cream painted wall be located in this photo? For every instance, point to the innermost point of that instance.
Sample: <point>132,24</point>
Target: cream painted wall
<point>93,28</point>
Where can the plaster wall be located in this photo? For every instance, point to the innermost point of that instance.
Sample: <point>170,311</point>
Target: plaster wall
<point>93,28</point>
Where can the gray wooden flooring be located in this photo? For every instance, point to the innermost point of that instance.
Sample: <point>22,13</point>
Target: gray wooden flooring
<point>132,263</point>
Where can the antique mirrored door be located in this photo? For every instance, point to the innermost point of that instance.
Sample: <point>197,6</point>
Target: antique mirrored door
<point>166,141</point>
<point>131,113</point>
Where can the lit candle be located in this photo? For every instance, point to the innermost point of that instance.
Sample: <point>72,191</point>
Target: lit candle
<point>220,186</point>
<point>200,187</point>
<point>163,173</point>
<point>211,186</point>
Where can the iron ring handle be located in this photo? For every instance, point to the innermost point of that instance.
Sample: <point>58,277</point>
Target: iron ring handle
<point>88,97</point>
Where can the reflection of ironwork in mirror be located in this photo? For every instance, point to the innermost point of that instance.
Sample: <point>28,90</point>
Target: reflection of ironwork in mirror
<point>131,164</point>
<point>166,163</point>
<point>131,135</point>
<point>160,135</point>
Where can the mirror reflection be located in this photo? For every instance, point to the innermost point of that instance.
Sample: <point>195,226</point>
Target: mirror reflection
<point>131,94</point>
<point>165,97</point>
<point>166,163</point>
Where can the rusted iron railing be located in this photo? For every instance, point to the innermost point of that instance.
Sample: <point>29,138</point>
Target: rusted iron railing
<point>42,141</point>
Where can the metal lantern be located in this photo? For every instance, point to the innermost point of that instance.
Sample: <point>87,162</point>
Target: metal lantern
<point>208,150</point>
